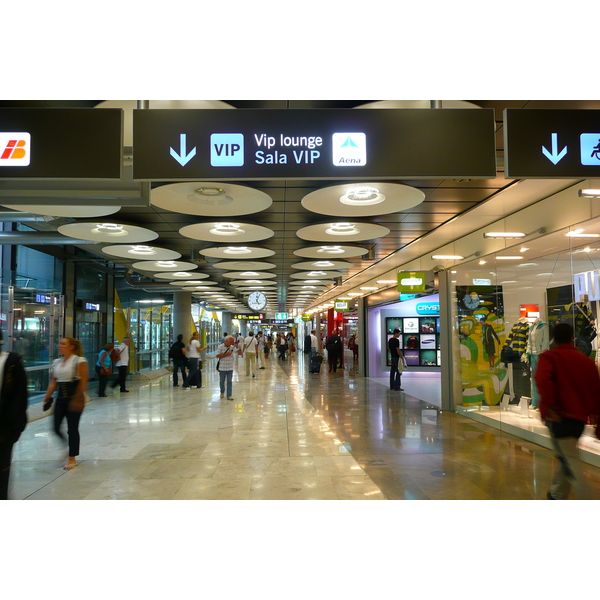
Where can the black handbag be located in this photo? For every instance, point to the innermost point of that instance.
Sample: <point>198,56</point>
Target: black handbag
<point>509,355</point>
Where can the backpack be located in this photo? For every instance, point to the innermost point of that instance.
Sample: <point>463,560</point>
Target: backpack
<point>172,352</point>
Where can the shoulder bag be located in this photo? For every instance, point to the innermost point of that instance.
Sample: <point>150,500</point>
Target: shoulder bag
<point>79,397</point>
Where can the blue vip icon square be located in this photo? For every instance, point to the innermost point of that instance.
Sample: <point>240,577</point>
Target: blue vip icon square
<point>590,148</point>
<point>227,149</point>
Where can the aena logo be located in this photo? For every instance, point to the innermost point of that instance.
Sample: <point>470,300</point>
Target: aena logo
<point>428,308</point>
<point>349,149</point>
<point>15,149</point>
<point>227,149</point>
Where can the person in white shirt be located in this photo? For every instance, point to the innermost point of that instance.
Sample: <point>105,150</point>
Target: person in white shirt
<point>261,348</point>
<point>194,374</point>
<point>70,376</point>
<point>249,351</point>
<point>122,364</point>
<point>314,344</point>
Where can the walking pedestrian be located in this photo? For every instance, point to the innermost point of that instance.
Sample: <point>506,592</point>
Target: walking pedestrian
<point>226,355</point>
<point>13,410</point>
<point>398,361</point>
<point>282,346</point>
<point>70,376</point>
<point>103,368</point>
<point>314,344</point>
<point>569,388</point>
<point>178,354</point>
<point>193,356</point>
<point>249,350</point>
<point>334,350</point>
<point>122,364</point>
<point>261,348</point>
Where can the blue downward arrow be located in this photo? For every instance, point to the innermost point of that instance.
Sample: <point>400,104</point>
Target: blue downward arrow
<point>555,156</point>
<point>182,158</point>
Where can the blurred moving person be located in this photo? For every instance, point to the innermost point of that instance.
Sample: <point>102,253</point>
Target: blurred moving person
<point>178,354</point>
<point>13,410</point>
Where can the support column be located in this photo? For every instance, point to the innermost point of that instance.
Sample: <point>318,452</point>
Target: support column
<point>226,316</point>
<point>182,315</point>
<point>447,368</point>
<point>362,337</point>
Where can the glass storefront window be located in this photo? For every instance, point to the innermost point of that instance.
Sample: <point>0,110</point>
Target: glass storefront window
<point>504,312</point>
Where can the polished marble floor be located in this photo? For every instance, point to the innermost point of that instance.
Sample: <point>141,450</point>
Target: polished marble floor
<point>287,435</point>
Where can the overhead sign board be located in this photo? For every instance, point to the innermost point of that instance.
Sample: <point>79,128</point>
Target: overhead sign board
<point>411,281</point>
<point>341,305</point>
<point>549,143</point>
<point>317,144</point>
<point>281,315</point>
<point>61,143</point>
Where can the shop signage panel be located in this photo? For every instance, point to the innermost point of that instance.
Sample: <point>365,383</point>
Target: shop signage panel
<point>61,143</point>
<point>549,143</point>
<point>281,315</point>
<point>341,305</point>
<point>411,281</point>
<point>306,317</point>
<point>318,144</point>
<point>247,317</point>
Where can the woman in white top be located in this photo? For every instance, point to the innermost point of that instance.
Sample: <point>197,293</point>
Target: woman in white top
<point>70,376</point>
<point>193,355</point>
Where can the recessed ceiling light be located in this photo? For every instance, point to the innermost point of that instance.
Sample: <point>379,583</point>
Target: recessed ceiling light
<point>342,229</point>
<point>362,196</point>
<point>523,249</point>
<point>237,250</point>
<point>323,263</point>
<point>227,229</point>
<point>354,294</point>
<point>447,257</point>
<point>589,193</point>
<point>165,263</point>
<point>142,250</point>
<point>213,196</point>
<point>579,234</point>
<point>110,229</point>
<point>503,235</point>
<point>315,273</point>
<point>331,249</point>
<point>509,257</point>
<point>369,288</point>
<point>249,274</point>
<point>482,262</point>
<point>181,274</point>
<point>387,281</point>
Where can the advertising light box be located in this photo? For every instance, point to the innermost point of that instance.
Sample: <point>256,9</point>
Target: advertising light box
<point>313,143</point>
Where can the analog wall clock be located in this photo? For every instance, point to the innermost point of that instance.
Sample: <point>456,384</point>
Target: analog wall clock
<point>257,301</point>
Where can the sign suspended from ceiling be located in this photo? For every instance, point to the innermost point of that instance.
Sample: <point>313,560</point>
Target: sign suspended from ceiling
<point>318,144</point>
<point>61,143</point>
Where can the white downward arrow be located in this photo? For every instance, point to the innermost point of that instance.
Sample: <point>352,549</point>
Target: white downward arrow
<point>554,157</point>
<point>182,158</point>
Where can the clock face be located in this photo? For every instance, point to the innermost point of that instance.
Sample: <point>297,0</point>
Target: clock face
<point>257,301</point>
<point>472,300</point>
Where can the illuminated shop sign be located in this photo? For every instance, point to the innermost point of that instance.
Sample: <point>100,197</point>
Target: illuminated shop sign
<point>307,317</point>
<point>193,144</point>
<point>341,305</point>
<point>411,281</point>
<point>91,306</point>
<point>281,315</point>
<point>247,317</point>
<point>428,308</point>
<point>482,282</point>
<point>587,283</point>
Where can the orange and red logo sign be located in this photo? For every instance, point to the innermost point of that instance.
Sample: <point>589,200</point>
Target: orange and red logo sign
<point>15,148</point>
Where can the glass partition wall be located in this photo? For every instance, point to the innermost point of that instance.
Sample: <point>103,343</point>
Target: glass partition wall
<point>504,308</point>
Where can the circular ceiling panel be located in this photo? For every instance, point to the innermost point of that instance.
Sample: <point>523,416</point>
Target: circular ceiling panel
<point>198,288</point>
<point>195,281</point>
<point>249,275</point>
<point>179,276</point>
<point>304,275</point>
<point>210,199</point>
<point>61,210</point>
<point>237,252</point>
<point>363,199</point>
<point>164,265</point>
<point>342,232</point>
<point>244,265</point>
<point>323,265</point>
<point>236,282</point>
<point>331,252</point>
<point>139,252</point>
<point>107,232</point>
<point>226,232</point>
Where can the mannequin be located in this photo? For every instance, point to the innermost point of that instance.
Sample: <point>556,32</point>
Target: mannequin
<point>488,333</point>
<point>537,342</point>
<point>517,340</point>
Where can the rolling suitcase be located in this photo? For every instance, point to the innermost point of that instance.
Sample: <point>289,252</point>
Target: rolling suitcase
<point>315,364</point>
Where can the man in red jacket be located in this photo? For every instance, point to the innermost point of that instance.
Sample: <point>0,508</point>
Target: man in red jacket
<point>569,387</point>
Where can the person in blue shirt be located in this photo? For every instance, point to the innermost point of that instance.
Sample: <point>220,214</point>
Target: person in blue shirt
<point>103,365</point>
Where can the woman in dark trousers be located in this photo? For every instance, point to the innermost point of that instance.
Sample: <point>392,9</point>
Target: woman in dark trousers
<point>13,411</point>
<point>178,354</point>
<point>105,361</point>
<point>70,376</point>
